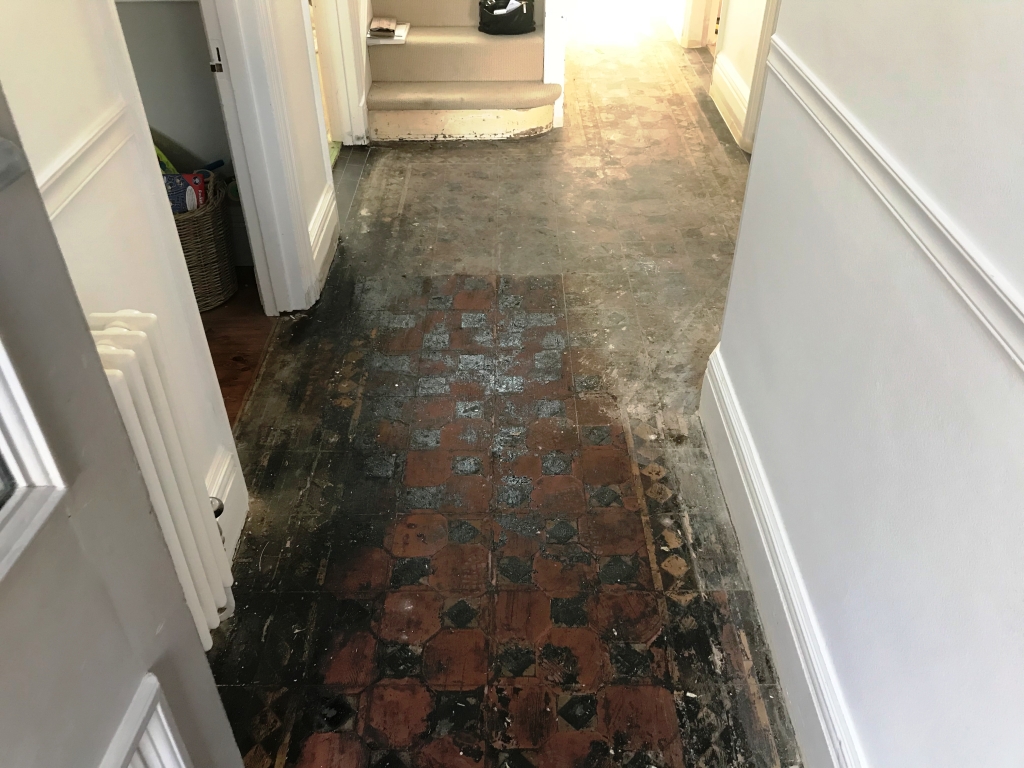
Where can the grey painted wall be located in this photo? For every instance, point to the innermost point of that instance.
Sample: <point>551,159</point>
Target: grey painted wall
<point>167,45</point>
<point>866,357</point>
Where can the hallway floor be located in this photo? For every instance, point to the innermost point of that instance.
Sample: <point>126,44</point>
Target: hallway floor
<point>485,529</point>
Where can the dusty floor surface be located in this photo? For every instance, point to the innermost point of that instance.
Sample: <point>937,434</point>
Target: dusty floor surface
<point>485,528</point>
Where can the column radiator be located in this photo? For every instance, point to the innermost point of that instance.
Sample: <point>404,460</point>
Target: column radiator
<point>129,348</point>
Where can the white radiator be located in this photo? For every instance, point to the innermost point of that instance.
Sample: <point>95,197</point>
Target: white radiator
<point>128,345</point>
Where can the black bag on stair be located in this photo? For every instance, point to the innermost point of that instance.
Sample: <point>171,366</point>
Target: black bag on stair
<point>496,19</point>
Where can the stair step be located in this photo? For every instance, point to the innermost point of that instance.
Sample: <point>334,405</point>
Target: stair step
<point>462,95</point>
<point>445,54</point>
<point>439,13</point>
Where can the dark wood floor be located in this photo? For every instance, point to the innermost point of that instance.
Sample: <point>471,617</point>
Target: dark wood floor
<point>237,333</point>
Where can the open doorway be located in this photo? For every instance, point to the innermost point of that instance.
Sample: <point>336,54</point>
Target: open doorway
<point>211,96</point>
<point>170,55</point>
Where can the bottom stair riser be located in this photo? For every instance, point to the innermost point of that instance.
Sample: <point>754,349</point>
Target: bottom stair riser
<point>459,124</point>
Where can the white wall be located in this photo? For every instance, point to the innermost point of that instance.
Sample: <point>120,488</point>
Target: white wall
<point>167,45</point>
<point>870,381</point>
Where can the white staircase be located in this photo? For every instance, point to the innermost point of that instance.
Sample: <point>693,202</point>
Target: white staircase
<point>450,81</point>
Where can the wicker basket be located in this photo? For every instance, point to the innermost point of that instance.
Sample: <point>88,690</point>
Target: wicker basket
<point>206,242</point>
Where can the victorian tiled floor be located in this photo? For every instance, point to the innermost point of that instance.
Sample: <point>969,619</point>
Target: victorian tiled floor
<point>485,529</point>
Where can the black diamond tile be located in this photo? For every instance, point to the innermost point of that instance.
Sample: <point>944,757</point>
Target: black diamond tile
<point>515,759</point>
<point>467,465</point>
<point>605,496</point>
<point>549,409</point>
<point>390,759</point>
<point>515,660</point>
<point>380,466</point>
<point>597,435</point>
<point>399,660</point>
<point>630,660</point>
<point>516,569</point>
<point>423,498</point>
<point>556,463</point>
<point>461,614</point>
<point>579,711</point>
<point>469,410</point>
<point>569,611</point>
<point>561,532</point>
<point>425,439</point>
<point>409,570</point>
<point>620,570</point>
<point>462,532</point>
<point>326,709</point>
<point>456,712</point>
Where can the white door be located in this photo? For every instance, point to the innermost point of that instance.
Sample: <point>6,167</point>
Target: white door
<point>101,662</point>
<point>65,70</point>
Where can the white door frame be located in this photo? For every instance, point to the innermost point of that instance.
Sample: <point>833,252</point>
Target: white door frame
<point>341,34</point>
<point>285,251</point>
<point>691,21</point>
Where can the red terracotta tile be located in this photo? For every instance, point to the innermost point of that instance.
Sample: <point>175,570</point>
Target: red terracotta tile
<point>638,717</point>
<point>456,660</point>
<point>572,749</point>
<point>474,300</point>
<point>612,531</point>
<point>467,496</point>
<point>332,750</point>
<point>394,713</point>
<point>597,409</point>
<point>419,535</point>
<point>445,753</point>
<point>404,340</point>
<point>411,616</point>
<point>467,390</point>
<point>430,412</point>
<point>553,390</point>
<point>520,713</point>
<point>605,465</point>
<point>561,571</point>
<point>553,435</point>
<point>521,615</point>
<point>626,615</point>
<point>393,435</point>
<point>573,659</point>
<point>364,573</point>
<point>508,542</point>
<point>558,495</point>
<point>460,569</point>
<point>350,666</point>
<point>426,469</point>
<point>527,465</point>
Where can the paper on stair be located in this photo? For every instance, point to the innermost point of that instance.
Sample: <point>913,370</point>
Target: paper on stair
<point>507,9</point>
<point>401,31</point>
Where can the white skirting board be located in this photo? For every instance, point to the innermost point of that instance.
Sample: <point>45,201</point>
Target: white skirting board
<point>732,96</point>
<point>823,726</point>
<point>324,230</point>
<point>224,481</point>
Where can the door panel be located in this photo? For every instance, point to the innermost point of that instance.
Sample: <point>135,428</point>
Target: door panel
<point>89,601</point>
